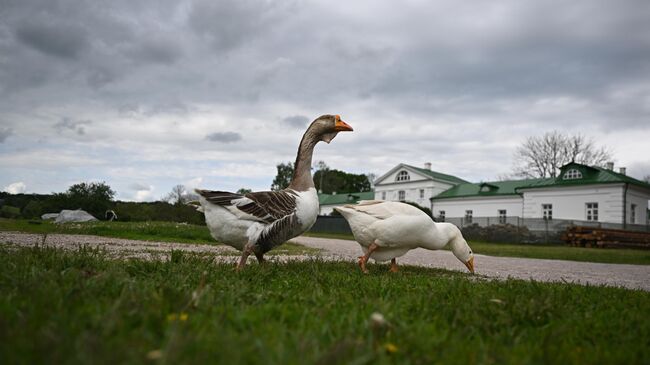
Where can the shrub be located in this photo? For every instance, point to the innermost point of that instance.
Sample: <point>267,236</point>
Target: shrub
<point>7,211</point>
<point>506,233</point>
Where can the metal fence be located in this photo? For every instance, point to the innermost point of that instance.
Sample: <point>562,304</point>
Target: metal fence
<point>543,225</point>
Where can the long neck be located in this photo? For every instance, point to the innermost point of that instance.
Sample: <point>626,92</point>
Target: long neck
<point>302,179</point>
<point>439,235</point>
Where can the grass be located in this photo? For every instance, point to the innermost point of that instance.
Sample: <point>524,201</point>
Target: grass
<point>543,251</point>
<point>145,231</point>
<point>81,307</point>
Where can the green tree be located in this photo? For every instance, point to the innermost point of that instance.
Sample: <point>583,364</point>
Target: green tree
<point>340,182</point>
<point>94,197</point>
<point>283,176</point>
<point>244,191</point>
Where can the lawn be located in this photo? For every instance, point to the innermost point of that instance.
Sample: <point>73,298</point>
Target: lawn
<point>81,307</point>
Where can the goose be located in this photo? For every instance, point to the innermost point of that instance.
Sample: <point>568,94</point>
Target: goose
<point>254,223</point>
<point>387,230</point>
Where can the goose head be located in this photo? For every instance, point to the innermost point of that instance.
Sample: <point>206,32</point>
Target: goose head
<point>326,127</point>
<point>460,248</point>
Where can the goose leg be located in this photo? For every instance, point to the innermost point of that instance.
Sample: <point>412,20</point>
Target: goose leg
<point>393,265</point>
<point>248,249</point>
<point>364,259</point>
<point>260,258</point>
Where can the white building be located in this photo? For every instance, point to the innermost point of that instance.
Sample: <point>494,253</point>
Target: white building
<point>409,183</point>
<point>580,192</point>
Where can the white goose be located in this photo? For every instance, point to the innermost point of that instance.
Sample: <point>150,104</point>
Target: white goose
<point>386,230</point>
<point>257,222</point>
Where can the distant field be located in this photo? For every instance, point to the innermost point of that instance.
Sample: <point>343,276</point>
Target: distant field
<point>81,307</point>
<point>187,233</point>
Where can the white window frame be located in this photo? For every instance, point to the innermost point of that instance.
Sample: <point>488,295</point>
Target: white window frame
<point>403,176</point>
<point>572,174</point>
<point>633,213</point>
<point>401,195</point>
<point>591,211</point>
<point>421,193</point>
<point>547,211</point>
<point>441,216</point>
<point>469,216</point>
<point>383,195</point>
<point>503,216</point>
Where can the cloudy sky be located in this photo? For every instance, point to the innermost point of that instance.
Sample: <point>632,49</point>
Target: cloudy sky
<point>148,94</point>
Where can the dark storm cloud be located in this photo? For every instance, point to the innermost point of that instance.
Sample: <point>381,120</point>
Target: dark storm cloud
<point>67,124</point>
<point>5,133</point>
<point>224,137</point>
<point>296,121</point>
<point>57,40</point>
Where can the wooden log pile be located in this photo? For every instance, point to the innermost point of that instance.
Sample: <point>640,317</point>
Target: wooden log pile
<point>602,237</point>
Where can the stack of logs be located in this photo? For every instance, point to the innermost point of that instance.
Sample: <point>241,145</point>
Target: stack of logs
<point>602,237</point>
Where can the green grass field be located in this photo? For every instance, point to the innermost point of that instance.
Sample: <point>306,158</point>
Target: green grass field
<point>81,307</point>
<point>177,232</point>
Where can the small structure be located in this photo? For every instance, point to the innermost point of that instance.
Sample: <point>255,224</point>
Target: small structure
<point>68,216</point>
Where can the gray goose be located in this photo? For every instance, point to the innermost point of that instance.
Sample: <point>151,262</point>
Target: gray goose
<point>257,222</point>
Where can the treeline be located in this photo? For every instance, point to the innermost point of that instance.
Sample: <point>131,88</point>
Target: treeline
<point>96,199</point>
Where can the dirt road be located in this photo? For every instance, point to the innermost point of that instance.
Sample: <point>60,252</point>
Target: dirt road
<point>586,273</point>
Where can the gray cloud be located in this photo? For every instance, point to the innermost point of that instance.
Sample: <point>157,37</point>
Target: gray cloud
<point>139,187</point>
<point>67,124</point>
<point>56,40</point>
<point>296,121</point>
<point>5,133</point>
<point>224,137</point>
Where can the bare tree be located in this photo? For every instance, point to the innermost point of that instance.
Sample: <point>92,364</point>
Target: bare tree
<point>371,179</point>
<point>180,195</point>
<point>543,156</point>
<point>646,179</point>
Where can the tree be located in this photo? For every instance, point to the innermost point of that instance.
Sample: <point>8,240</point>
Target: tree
<point>371,179</point>
<point>283,176</point>
<point>542,156</point>
<point>340,182</point>
<point>322,169</point>
<point>179,195</point>
<point>244,191</point>
<point>646,179</point>
<point>95,198</point>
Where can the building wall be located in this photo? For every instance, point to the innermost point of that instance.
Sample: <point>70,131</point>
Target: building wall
<point>570,202</point>
<point>640,198</point>
<point>481,207</point>
<point>411,189</point>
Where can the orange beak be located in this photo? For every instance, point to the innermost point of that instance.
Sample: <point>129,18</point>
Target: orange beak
<point>341,126</point>
<point>470,265</point>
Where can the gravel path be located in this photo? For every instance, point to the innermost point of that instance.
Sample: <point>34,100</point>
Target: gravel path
<point>628,276</point>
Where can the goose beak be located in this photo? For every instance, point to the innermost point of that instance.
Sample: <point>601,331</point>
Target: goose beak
<point>341,126</point>
<point>470,264</point>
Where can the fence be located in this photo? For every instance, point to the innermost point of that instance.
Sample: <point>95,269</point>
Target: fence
<point>541,230</point>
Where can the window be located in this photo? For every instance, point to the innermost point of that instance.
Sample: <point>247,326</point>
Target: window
<point>633,213</point>
<point>421,193</point>
<point>502,216</point>
<point>547,211</point>
<point>592,211</point>
<point>401,195</point>
<point>468,216</point>
<point>441,216</point>
<point>383,195</point>
<point>485,189</point>
<point>572,174</point>
<point>403,176</point>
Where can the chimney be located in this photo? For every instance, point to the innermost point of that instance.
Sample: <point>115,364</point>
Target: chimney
<point>427,166</point>
<point>622,170</point>
<point>610,166</point>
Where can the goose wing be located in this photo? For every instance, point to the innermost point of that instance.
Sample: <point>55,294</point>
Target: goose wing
<point>263,206</point>
<point>385,209</point>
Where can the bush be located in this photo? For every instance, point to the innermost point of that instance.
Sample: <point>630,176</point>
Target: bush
<point>33,209</point>
<point>7,211</point>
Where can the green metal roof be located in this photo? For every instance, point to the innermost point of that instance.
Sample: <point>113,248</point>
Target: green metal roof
<point>344,198</point>
<point>590,175</point>
<point>438,175</point>
<point>493,188</point>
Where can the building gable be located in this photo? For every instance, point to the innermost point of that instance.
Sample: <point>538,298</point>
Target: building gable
<point>405,173</point>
